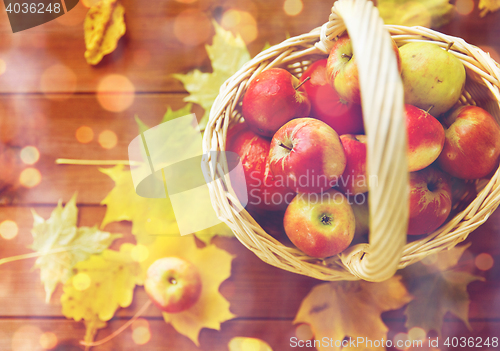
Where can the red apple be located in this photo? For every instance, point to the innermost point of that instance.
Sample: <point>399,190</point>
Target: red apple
<point>173,284</point>
<point>307,155</point>
<point>430,200</point>
<point>263,191</point>
<point>326,105</point>
<point>354,180</point>
<point>320,225</point>
<point>425,138</point>
<point>342,71</point>
<point>472,146</point>
<point>272,99</point>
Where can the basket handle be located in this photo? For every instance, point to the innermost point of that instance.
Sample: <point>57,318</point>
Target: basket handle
<point>385,126</point>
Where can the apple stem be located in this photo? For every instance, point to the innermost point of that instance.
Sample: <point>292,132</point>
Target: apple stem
<point>305,80</point>
<point>449,46</point>
<point>346,56</point>
<point>430,108</point>
<point>119,330</point>
<point>285,146</point>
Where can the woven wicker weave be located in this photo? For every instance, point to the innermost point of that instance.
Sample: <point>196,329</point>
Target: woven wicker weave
<point>382,104</point>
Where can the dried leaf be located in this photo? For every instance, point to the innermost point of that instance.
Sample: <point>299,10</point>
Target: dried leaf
<point>438,288</point>
<point>104,25</point>
<point>101,285</point>
<point>488,6</point>
<point>248,344</point>
<point>427,13</point>
<point>72,245</point>
<point>351,309</point>
<point>227,54</point>
<point>214,265</point>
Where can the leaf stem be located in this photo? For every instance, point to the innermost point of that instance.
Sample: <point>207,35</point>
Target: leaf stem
<point>68,161</point>
<point>119,330</point>
<point>32,255</point>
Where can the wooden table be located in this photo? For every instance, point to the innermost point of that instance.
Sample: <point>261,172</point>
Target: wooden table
<point>39,110</point>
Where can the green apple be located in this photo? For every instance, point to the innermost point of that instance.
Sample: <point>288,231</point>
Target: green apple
<point>433,78</point>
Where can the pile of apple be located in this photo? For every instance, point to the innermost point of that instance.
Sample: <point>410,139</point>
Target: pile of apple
<point>303,150</point>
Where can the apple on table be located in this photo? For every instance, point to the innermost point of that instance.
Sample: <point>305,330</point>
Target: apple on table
<point>173,284</point>
<point>306,154</point>
<point>273,98</point>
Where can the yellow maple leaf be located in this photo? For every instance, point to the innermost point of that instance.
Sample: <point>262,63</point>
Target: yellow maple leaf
<point>214,265</point>
<point>62,244</point>
<point>101,285</point>
<point>104,25</point>
<point>427,13</point>
<point>150,217</point>
<point>488,6</point>
<point>227,54</point>
<point>438,288</point>
<point>350,309</point>
<point>248,344</point>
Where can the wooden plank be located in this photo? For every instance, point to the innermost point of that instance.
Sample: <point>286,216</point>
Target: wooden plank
<point>277,333</point>
<point>255,289</point>
<point>150,52</point>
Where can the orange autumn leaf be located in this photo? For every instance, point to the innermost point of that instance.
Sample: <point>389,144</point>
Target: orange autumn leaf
<point>104,26</point>
<point>351,309</point>
<point>214,265</point>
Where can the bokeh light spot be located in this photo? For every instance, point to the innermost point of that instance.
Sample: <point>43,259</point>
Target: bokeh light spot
<point>293,7</point>
<point>141,335</point>
<point>304,332</point>
<point>108,139</point>
<point>240,22</point>
<point>81,281</point>
<point>192,27</point>
<point>140,322</point>
<point>399,341</point>
<point>58,79</point>
<point>8,229</point>
<point>3,67</point>
<point>140,253</point>
<point>416,333</point>
<point>464,7</point>
<point>484,261</point>
<point>115,93</point>
<point>30,155</point>
<point>48,340</point>
<point>26,338</point>
<point>30,177</point>
<point>84,134</point>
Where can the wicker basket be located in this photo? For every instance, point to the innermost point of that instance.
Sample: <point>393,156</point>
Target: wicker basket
<point>382,104</point>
